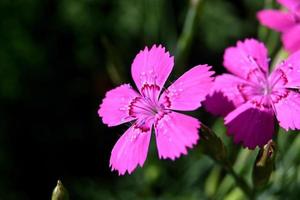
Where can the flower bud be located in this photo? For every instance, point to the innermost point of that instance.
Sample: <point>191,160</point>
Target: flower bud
<point>60,192</point>
<point>212,144</point>
<point>264,164</point>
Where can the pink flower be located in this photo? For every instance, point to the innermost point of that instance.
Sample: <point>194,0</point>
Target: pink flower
<point>288,23</point>
<point>174,132</point>
<point>256,96</point>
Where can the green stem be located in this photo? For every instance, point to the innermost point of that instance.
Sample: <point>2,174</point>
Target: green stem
<point>114,67</point>
<point>185,39</point>
<point>241,183</point>
<point>214,148</point>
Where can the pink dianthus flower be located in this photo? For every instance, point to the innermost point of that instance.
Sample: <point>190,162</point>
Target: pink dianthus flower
<point>286,22</point>
<point>149,108</point>
<point>254,97</point>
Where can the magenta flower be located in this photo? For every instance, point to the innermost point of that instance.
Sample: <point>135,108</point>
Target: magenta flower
<point>286,22</point>
<point>174,132</point>
<point>256,96</point>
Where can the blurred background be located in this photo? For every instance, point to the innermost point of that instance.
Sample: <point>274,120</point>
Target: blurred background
<point>57,60</point>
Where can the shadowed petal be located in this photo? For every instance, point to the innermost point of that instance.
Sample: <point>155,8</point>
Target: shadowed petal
<point>291,39</point>
<point>174,133</point>
<point>114,109</point>
<point>218,104</point>
<point>250,126</point>
<point>131,149</point>
<point>187,92</point>
<point>276,20</point>
<point>288,110</point>
<point>150,70</point>
<point>234,88</point>
<point>247,56</point>
<point>227,93</point>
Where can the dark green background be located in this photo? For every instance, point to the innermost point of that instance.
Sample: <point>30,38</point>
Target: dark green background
<point>57,60</point>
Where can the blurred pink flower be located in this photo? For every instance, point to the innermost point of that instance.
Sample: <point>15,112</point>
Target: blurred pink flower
<point>174,132</point>
<point>286,22</point>
<point>256,96</point>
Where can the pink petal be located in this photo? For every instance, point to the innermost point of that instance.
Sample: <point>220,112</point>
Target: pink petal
<point>114,109</point>
<point>250,126</point>
<point>218,104</point>
<point>290,4</point>
<point>278,79</point>
<point>233,88</point>
<point>247,56</point>
<point>291,39</point>
<point>130,150</point>
<point>228,92</point>
<point>288,111</point>
<point>174,133</point>
<point>276,20</point>
<point>189,90</point>
<point>150,70</point>
<point>291,67</point>
<point>287,73</point>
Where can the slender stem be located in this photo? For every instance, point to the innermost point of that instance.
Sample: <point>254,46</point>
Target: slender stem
<point>185,39</point>
<point>239,180</point>
<point>214,147</point>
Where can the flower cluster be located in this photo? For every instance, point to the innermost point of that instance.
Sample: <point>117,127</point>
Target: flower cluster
<point>251,98</point>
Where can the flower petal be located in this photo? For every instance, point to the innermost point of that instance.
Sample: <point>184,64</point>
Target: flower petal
<point>276,20</point>
<point>250,126</point>
<point>218,104</point>
<point>246,57</point>
<point>288,111</point>
<point>287,73</point>
<point>150,70</point>
<point>189,90</point>
<point>234,88</point>
<point>131,149</point>
<point>228,92</point>
<point>174,133</point>
<point>114,109</point>
<point>290,4</point>
<point>291,39</point>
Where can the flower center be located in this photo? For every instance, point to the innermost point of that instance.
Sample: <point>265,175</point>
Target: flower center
<point>256,85</point>
<point>266,89</point>
<point>147,105</point>
<point>262,90</point>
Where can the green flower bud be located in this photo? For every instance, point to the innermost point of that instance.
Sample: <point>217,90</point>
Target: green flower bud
<point>264,164</point>
<point>212,144</point>
<point>60,192</point>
